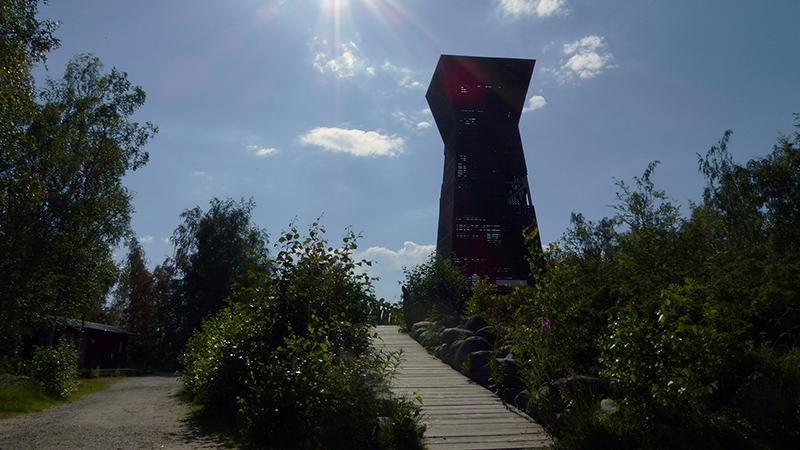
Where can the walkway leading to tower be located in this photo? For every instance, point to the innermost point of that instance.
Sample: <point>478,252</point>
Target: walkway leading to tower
<point>459,413</point>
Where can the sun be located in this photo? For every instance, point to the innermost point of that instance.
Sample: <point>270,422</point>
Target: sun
<point>333,9</point>
<point>341,22</point>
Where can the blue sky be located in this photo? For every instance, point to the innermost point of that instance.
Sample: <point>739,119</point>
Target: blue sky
<point>317,107</point>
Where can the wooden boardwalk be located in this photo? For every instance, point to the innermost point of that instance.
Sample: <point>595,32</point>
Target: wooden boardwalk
<point>459,413</point>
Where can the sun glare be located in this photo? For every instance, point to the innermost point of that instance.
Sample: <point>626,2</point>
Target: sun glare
<point>394,16</point>
<point>342,22</point>
<point>333,8</point>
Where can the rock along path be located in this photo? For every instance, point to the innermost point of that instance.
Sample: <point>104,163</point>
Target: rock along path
<point>132,413</point>
<point>459,413</point>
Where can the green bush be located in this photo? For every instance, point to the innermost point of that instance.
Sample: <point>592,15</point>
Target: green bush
<point>288,363</point>
<point>498,309</point>
<point>671,362</point>
<point>55,368</point>
<point>436,286</point>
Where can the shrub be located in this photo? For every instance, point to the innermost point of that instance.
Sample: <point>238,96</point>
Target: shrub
<point>288,363</point>
<point>499,309</point>
<point>55,368</point>
<point>437,285</point>
<point>671,362</point>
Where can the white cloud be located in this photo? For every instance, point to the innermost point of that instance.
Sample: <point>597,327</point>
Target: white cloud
<point>261,151</point>
<point>202,175</point>
<point>355,142</point>
<point>404,76</point>
<point>386,260</point>
<point>345,61</point>
<point>146,239</point>
<point>408,83</point>
<point>539,8</point>
<point>416,121</point>
<point>534,103</point>
<point>587,58</point>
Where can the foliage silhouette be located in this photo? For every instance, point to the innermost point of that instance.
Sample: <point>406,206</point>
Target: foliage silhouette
<point>288,362</point>
<point>63,207</point>
<point>676,311</point>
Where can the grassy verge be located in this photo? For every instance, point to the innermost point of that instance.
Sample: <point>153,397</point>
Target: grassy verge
<point>25,398</point>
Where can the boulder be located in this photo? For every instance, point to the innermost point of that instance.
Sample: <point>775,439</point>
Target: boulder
<point>424,336</point>
<point>757,397</point>
<point>447,353</point>
<point>522,400</point>
<point>475,323</point>
<point>487,333</point>
<point>480,358</point>
<point>479,369</point>
<point>510,396</point>
<point>419,327</point>
<point>460,350</point>
<point>450,335</point>
<point>449,321</point>
<point>421,324</point>
<point>501,352</point>
<point>510,368</point>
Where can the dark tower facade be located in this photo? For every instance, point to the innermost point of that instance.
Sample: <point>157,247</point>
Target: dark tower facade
<point>485,202</point>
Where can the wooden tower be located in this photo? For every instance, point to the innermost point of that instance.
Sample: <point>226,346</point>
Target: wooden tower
<point>485,202</point>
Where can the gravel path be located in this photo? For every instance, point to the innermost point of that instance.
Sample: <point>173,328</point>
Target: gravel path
<point>133,413</point>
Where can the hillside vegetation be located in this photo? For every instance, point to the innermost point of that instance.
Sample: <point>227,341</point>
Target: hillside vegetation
<point>692,321</point>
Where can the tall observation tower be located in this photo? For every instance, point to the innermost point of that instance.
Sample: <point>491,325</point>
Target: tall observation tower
<point>485,202</point>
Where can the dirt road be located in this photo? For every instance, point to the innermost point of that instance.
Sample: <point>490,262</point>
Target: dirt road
<point>133,413</point>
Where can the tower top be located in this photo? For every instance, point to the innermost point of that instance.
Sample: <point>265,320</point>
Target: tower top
<point>463,81</point>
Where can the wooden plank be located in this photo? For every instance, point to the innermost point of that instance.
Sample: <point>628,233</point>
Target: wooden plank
<point>445,444</point>
<point>489,439</point>
<point>460,414</point>
<point>482,430</point>
<point>469,421</point>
